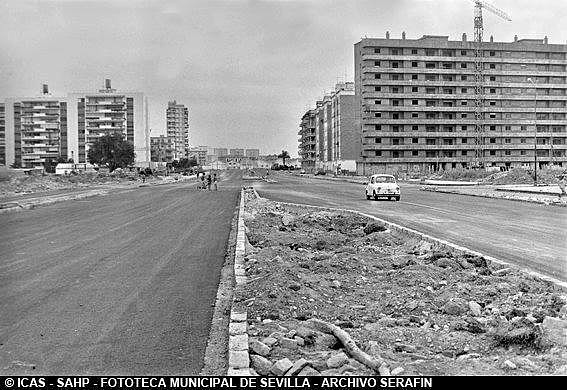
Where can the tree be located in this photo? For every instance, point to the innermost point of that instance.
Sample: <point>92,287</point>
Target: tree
<point>283,155</point>
<point>113,151</point>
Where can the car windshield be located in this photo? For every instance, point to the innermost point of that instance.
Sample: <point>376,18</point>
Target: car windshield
<point>384,179</point>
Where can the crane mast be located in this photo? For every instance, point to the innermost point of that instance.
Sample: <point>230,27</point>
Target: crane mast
<point>479,77</point>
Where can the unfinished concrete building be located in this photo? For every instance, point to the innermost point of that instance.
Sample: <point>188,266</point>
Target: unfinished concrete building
<point>307,141</point>
<point>416,104</point>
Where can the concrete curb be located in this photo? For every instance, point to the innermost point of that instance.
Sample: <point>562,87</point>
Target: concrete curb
<point>528,191</point>
<point>238,355</point>
<point>447,191</point>
<point>34,202</point>
<point>437,241</point>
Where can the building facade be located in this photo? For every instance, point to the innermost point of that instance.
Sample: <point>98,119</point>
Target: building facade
<point>416,104</point>
<point>237,152</point>
<point>161,149</point>
<point>252,153</point>
<point>177,119</point>
<point>108,111</point>
<point>329,138</point>
<point>2,135</point>
<point>35,130</point>
<point>307,141</point>
<point>199,153</point>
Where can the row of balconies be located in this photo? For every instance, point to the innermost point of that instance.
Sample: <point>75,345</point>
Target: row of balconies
<point>466,109</point>
<point>470,71</point>
<point>459,159</point>
<point>463,121</point>
<point>463,134</point>
<point>422,146</point>
<point>469,59</point>
<point>467,96</point>
<point>459,84</point>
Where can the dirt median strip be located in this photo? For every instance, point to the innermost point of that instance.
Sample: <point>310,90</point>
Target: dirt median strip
<point>420,305</point>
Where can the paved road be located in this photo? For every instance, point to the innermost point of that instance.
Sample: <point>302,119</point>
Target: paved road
<point>120,284</point>
<point>525,234</point>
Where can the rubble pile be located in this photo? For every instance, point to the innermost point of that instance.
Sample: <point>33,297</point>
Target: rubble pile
<point>37,183</point>
<point>418,308</point>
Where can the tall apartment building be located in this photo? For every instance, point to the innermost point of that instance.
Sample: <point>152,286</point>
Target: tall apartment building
<point>307,140</point>
<point>177,121</point>
<point>252,153</point>
<point>2,135</point>
<point>35,130</point>
<point>236,152</point>
<point>329,137</point>
<point>416,103</point>
<point>108,111</point>
<point>161,149</point>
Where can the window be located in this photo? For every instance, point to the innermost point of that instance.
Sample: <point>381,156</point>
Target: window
<point>395,154</point>
<point>414,128</point>
<point>492,54</point>
<point>378,140</point>
<point>377,114</point>
<point>414,140</point>
<point>395,64</point>
<point>393,77</point>
<point>463,140</point>
<point>464,103</point>
<point>377,127</point>
<point>492,103</point>
<point>464,65</point>
<point>395,102</point>
<point>463,52</point>
<point>463,90</point>
<point>414,102</point>
<point>378,153</point>
<point>493,152</point>
<point>414,152</point>
<point>395,129</point>
<point>522,152</point>
<point>376,63</point>
<point>429,52</point>
<point>464,128</point>
<point>395,141</point>
<point>507,140</point>
<point>492,116</point>
<point>377,101</point>
<point>376,51</point>
<point>463,115</point>
<point>492,66</point>
<point>508,128</point>
<point>493,140</point>
<point>377,89</point>
<point>414,89</point>
<point>395,52</point>
<point>523,127</point>
<point>377,76</point>
<point>430,65</point>
<point>464,152</point>
<point>492,90</point>
<point>430,141</point>
<point>414,115</point>
<point>463,78</point>
<point>492,128</point>
<point>492,78</point>
<point>395,116</point>
<point>414,64</point>
<point>414,77</point>
<point>414,51</point>
<point>395,90</point>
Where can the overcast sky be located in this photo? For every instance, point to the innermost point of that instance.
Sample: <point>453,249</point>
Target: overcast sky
<point>247,69</point>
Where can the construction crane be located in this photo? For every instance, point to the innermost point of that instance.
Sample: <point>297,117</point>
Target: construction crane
<point>479,76</point>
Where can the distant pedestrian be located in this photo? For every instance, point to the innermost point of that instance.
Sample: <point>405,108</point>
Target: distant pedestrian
<point>209,181</point>
<point>561,185</point>
<point>215,180</point>
<point>202,186</point>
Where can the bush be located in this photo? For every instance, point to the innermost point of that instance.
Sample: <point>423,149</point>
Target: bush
<point>373,227</point>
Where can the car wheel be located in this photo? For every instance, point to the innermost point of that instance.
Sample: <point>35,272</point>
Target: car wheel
<point>375,196</point>
<point>368,196</point>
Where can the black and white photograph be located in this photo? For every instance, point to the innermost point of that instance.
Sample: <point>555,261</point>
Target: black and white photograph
<point>282,194</point>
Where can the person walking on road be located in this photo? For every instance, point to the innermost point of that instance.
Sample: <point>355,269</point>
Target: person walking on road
<point>561,185</point>
<point>209,180</point>
<point>202,186</point>
<point>215,180</point>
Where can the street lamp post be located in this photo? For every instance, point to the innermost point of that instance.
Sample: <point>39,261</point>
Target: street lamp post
<point>535,130</point>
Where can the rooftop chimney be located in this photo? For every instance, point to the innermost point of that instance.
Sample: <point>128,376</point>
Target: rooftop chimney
<point>515,38</point>
<point>387,34</point>
<point>464,37</point>
<point>403,35</point>
<point>107,84</point>
<point>545,40</point>
<point>45,89</point>
<point>491,38</point>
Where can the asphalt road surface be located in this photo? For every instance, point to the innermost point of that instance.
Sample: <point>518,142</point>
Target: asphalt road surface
<point>119,284</point>
<point>526,234</point>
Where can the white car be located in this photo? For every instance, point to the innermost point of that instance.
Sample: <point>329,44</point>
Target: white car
<point>384,186</point>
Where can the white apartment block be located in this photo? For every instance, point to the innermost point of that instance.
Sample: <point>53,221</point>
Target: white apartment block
<point>177,125</point>
<point>108,111</point>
